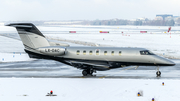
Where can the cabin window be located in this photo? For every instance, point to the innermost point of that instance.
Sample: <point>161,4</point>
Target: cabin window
<point>105,52</point>
<point>90,52</point>
<point>146,52</point>
<point>119,52</point>
<point>97,52</point>
<point>112,53</point>
<point>78,52</point>
<point>84,52</point>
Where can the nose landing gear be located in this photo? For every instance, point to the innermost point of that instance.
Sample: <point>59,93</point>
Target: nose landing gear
<point>158,73</point>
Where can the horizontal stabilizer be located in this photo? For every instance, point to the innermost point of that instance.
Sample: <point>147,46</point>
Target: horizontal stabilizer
<point>31,37</point>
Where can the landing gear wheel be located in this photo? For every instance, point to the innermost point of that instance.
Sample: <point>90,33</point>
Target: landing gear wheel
<point>158,73</point>
<point>87,72</point>
<point>91,71</point>
<point>84,72</point>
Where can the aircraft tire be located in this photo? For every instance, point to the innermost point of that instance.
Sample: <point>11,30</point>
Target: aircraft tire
<point>158,73</point>
<point>84,72</point>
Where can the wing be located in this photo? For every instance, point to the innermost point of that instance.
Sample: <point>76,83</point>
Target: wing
<point>86,64</point>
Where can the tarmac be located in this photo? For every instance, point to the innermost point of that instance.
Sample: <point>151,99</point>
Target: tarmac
<point>53,69</point>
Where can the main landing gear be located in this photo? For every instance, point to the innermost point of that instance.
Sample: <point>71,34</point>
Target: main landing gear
<point>158,73</point>
<point>88,72</point>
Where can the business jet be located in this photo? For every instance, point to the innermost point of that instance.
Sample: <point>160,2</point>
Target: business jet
<point>88,59</point>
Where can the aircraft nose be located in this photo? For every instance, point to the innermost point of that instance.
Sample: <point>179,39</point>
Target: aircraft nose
<point>165,61</point>
<point>171,63</point>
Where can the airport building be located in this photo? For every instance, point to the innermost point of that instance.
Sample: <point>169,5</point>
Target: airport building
<point>164,16</point>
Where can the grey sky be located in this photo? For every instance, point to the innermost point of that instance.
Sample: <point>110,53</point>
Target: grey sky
<point>85,9</point>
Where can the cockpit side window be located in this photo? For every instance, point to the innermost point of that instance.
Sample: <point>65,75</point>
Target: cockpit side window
<point>146,52</point>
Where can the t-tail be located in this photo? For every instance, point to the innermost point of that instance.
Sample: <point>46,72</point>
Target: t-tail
<point>35,43</point>
<point>31,37</point>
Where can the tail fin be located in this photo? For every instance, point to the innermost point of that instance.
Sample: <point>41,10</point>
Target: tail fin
<point>31,37</point>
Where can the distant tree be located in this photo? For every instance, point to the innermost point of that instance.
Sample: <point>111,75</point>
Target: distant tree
<point>128,22</point>
<point>139,22</point>
<point>170,23</point>
<point>178,20</point>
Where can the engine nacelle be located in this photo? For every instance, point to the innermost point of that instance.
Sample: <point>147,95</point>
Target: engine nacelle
<point>58,44</point>
<point>52,51</point>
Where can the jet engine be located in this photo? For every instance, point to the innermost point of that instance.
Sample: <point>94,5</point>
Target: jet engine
<point>53,51</point>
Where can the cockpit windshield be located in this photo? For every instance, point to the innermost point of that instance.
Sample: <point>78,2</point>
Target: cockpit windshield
<point>146,52</point>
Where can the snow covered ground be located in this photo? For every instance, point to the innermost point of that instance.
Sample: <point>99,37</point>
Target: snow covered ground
<point>13,57</point>
<point>79,89</point>
<point>123,88</point>
<point>12,50</point>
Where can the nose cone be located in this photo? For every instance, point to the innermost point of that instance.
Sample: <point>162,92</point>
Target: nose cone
<point>171,63</point>
<point>163,61</point>
<point>168,62</point>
